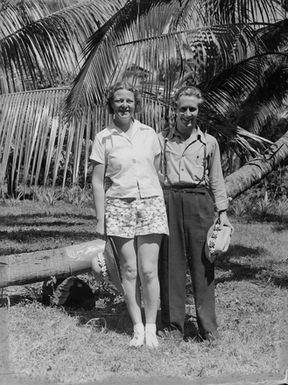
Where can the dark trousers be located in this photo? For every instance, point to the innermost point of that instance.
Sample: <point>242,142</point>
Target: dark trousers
<point>190,215</point>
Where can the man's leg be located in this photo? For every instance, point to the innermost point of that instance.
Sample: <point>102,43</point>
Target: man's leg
<point>172,266</point>
<point>199,214</point>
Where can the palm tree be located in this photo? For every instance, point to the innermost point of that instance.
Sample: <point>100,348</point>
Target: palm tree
<point>236,51</point>
<point>40,53</point>
<point>222,46</point>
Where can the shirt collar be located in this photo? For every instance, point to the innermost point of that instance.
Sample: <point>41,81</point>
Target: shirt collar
<point>195,135</point>
<point>134,128</point>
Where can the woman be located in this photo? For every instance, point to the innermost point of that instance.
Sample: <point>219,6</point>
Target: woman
<point>132,210</point>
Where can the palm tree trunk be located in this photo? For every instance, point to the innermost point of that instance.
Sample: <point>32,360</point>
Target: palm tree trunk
<point>257,168</point>
<point>98,256</point>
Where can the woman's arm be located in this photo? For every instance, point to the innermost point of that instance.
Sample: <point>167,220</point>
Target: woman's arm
<point>99,196</point>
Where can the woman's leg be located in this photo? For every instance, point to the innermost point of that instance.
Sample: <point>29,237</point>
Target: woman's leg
<point>148,252</point>
<point>130,282</point>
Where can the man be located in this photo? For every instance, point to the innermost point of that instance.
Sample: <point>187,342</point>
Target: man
<point>194,188</point>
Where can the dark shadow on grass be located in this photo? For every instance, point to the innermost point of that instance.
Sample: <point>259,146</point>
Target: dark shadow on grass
<point>114,317</point>
<point>279,227</point>
<point>246,271</point>
<point>120,322</point>
<point>44,223</point>
<point>241,251</point>
<point>11,219</point>
<point>32,235</point>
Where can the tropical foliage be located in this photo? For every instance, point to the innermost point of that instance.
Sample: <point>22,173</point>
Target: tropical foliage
<point>234,50</point>
<point>40,53</point>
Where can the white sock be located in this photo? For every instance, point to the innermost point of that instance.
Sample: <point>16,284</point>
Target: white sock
<point>150,336</point>
<point>138,335</point>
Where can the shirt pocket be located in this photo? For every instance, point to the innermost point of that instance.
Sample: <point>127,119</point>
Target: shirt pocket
<point>199,157</point>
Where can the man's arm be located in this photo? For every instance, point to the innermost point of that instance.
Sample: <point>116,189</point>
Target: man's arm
<point>217,185</point>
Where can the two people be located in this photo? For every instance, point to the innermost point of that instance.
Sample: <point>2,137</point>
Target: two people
<point>133,213</point>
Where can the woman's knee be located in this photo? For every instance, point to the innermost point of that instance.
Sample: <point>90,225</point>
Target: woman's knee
<point>129,273</point>
<point>149,273</point>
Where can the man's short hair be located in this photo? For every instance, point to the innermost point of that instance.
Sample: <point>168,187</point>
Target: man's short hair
<point>188,91</point>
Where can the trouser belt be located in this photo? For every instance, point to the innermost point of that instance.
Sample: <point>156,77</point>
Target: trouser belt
<point>186,188</point>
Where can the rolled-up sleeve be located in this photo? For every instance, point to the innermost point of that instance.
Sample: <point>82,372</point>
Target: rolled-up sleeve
<point>216,179</point>
<point>98,151</point>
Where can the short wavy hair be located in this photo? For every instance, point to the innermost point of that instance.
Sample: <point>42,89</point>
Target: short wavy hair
<point>187,91</point>
<point>123,85</point>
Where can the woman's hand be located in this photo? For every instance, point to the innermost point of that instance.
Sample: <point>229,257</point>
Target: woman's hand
<point>100,229</point>
<point>99,197</point>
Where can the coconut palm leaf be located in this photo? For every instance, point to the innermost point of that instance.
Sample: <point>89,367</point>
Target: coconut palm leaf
<point>158,16</point>
<point>27,119</point>
<point>45,52</point>
<point>275,36</point>
<point>35,143</point>
<point>189,54</point>
<point>37,147</point>
<point>15,15</point>
<point>267,98</point>
<point>238,11</point>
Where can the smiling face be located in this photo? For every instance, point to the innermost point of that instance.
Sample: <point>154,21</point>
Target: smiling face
<point>123,105</point>
<point>187,112</point>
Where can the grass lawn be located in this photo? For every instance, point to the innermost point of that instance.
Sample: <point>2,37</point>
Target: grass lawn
<point>81,345</point>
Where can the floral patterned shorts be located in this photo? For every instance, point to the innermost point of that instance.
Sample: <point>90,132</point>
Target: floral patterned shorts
<point>129,217</point>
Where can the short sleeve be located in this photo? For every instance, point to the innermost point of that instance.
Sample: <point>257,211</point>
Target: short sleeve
<point>98,151</point>
<point>156,144</point>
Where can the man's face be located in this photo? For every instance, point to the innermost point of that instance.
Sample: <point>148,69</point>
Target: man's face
<point>187,111</point>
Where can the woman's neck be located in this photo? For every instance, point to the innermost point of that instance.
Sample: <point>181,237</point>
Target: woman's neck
<point>124,126</point>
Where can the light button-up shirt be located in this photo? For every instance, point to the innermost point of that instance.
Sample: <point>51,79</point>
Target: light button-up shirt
<point>194,161</point>
<point>129,160</point>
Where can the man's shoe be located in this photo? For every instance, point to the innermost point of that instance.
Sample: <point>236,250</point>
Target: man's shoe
<point>210,336</point>
<point>170,333</point>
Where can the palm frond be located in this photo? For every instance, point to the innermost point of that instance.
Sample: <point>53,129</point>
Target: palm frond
<point>274,36</point>
<point>102,51</point>
<point>15,15</point>
<point>197,54</point>
<point>26,120</point>
<point>134,21</point>
<point>242,11</point>
<point>267,98</point>
<point>45,52</point>
<point>37,147</point>
<point>230,89</point>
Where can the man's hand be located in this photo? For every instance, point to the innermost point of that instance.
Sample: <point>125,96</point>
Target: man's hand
<point>224,221</point>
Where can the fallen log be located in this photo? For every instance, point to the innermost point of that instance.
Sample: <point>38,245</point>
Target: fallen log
<point>97,256</point>
<point>256,169</point>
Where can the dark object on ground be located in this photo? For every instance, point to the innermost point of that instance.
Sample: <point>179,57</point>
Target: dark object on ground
<point>70,292</point>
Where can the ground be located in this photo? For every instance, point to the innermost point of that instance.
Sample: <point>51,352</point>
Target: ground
<point>77,346</point>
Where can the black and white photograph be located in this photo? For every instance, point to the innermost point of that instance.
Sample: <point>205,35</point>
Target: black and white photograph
<point>143,192</point>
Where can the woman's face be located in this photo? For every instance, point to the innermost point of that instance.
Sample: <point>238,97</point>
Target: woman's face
<point>123,105</point>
